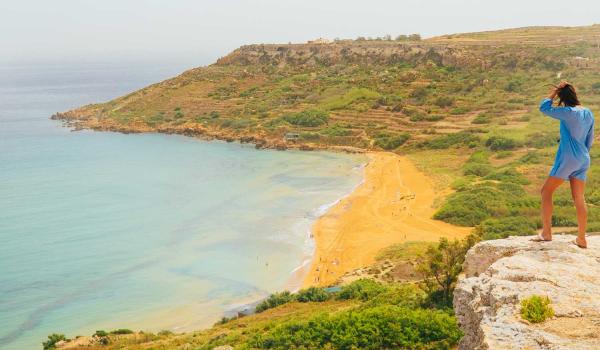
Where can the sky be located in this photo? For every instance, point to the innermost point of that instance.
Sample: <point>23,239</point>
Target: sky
<point>200,31</point>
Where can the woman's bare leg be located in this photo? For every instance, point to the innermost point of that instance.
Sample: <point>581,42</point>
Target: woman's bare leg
<point>578,191</point>
<point>548,189</point>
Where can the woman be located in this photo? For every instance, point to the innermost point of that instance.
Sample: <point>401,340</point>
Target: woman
<point>572,158</point>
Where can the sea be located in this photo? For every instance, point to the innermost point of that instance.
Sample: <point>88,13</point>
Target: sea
<point>102,230</point>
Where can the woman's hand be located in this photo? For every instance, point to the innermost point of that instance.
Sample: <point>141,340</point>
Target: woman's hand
<point>556,89</point>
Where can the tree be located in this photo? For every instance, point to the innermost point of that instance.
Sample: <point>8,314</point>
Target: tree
<point>52,340</point>
<point>440,267</point>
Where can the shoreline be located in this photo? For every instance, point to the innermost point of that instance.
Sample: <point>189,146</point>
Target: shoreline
<point>298,274</point>
<point>393,204</point>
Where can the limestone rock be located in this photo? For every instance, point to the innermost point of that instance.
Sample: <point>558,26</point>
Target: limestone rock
<point>500,273</point>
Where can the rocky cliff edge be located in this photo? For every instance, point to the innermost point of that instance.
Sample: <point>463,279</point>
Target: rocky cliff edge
<point>501,273</point>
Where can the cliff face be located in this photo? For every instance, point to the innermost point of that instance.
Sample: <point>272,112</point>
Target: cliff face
<point>500,273</point>
<point>350,52</point>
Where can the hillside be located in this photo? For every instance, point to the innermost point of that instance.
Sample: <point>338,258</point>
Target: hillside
<point>368,94</point>
<point>463,107</point>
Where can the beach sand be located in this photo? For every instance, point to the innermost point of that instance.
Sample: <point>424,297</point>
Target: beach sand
<point>394,204</point>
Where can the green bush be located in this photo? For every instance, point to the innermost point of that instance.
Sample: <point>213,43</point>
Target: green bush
<point>381,327</point>
<point>157,118</point>
<point>444,101</point>
<point>101,333</point>
<point>391,142</point>
<point>52,340</point>
<point>475,203</point>
<point>312,294</point>
<point>362,289</point>
<point>336,130</point>
<point>440,267</point>
<point>477,169</point>
<point>425,117</point>
<point>274,300</point>
<point>497,143</point>
<point>508,175</point>
<point>536,309</point>
<point>482,119</point>
<point>122,331</point>
<point>310,118</point>
<point>496,228</point>
<point>541,140</point>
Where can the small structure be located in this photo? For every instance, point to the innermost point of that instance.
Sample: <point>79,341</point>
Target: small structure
<point>319,41</point>
<point>291,137</point>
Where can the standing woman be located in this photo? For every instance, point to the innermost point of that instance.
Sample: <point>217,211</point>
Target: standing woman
<point>572,158</point>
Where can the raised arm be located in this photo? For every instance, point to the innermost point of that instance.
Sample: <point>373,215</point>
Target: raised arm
<point>560,113</point>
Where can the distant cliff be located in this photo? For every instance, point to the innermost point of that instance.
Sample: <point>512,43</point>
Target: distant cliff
<point>501,273</point>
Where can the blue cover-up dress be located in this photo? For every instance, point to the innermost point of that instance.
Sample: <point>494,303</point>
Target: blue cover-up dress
<point>576,137</point>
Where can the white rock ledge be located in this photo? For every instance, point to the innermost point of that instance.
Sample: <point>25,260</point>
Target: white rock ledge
<point>500,273</point>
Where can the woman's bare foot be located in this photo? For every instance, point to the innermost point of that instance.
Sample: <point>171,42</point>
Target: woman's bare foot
<point>581,242</point>
<point>541,237</point>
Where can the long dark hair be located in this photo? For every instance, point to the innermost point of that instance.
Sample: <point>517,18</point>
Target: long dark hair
<point>567,96</point>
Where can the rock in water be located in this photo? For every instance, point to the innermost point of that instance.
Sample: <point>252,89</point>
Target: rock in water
<point>501,273</point>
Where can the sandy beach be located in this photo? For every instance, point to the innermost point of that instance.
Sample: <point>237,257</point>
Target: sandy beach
<point>393,205</point>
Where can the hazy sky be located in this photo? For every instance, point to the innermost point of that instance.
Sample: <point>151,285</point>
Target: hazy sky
<point>202,30</point>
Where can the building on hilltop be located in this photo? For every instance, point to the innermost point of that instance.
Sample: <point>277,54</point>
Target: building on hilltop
<point>319,41</point>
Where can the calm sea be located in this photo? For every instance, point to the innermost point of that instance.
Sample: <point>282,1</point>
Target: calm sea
<point>105,231</point>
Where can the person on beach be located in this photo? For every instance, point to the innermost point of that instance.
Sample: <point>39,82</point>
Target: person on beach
<point>572,157</point>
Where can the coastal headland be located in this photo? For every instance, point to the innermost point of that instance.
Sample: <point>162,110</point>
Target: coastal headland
<point>394,204</point>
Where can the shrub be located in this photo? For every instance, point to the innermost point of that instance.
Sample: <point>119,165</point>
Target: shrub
<point>425,117</point>
<point>541,140</point>
<point>496,143</point>
<point>459,110</point>
<point>274,300</point>
<point>531,158</point>
<point>390,142</point>
<point>381,327</point>
<point>444,101</point>
<point>312,294</point>
<point>508,175</point>
<point>156,119</point>
<point>310,118</point>
<point>536,309</point>
<point>363,289</point>
<point>419,93</point>
<point>473,204</point>
<point>52,340</point>
<point>440,267</point>
<point>122,331</point>
<point>101,333</point>
<point>477,169</point>
<point>482,119</point>
<point>495,228</point>
<point>336,130</point>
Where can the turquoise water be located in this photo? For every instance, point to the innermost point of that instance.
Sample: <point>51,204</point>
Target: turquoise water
<point>104,230</point>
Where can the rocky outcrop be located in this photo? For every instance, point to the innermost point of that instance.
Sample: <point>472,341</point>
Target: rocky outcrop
<point>500,273</point>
